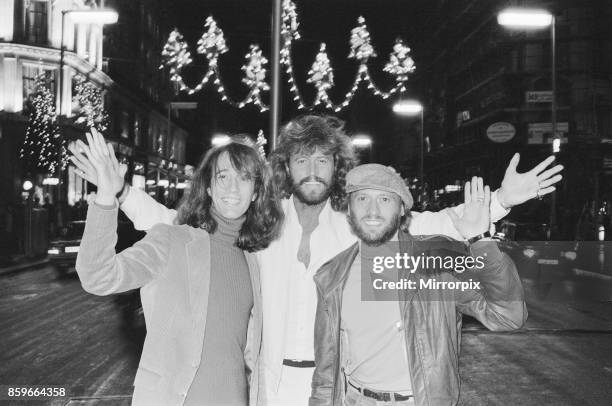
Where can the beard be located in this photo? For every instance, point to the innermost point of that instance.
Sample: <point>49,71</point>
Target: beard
<point>310,198</point>
<point>377,238</point>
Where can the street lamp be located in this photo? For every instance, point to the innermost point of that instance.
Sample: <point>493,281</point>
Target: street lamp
<point>361,141</point>
<point>220,140</point>
<point>528,19</point>
<point>412,108</point>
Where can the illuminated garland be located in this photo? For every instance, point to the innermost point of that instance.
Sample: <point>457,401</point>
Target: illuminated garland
<point>91,105</point>
<point>43,147</point>
<point>261,141</point>
<point>175,56</point>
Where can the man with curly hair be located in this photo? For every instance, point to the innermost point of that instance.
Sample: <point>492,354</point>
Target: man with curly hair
<point>309,166</point>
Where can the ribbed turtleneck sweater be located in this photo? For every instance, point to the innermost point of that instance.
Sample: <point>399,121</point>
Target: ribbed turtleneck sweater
<point>221,378</point>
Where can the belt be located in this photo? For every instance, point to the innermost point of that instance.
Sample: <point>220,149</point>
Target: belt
<point>298,364</point>
<point>381,396</point>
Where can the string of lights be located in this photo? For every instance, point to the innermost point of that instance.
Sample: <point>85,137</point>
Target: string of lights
<point>43,147</point>
<point>175,56</point>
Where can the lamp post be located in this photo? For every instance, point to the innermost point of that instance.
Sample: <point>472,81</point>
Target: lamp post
<point>529,19</point>
<point>413,108</point>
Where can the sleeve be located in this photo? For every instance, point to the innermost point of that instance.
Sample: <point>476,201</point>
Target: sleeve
<point>102,271</point>
<point>325,357</point>
<point>499,303</point>
<point>429,223</point>
<point>144,211</point>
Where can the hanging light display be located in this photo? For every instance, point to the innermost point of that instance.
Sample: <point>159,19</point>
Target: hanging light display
<point>175,56</point>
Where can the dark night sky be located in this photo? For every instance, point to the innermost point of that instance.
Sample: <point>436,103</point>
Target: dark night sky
<point>246,22</point>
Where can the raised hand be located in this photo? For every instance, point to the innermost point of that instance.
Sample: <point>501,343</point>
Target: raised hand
<point>102,158</point>
<point>476,216</point>
<point>517,188</point>
<point>84,167</point>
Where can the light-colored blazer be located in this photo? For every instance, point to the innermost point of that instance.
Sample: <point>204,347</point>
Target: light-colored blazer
<point>171,266</point>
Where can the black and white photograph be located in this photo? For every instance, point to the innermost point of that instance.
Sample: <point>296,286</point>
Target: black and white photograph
<point>305,202</point>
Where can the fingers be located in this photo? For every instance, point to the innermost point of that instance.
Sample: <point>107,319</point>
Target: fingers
<point>467,192</point>
<point>542,165</point>
<point>547,190</point>
<point>480,189</point>
<point>487,196</point>
<point>82,150</point>
<point>99,140</point>
<point>550,181</point>
<point>474,190</point>
<point>85,176</point>
<point>78,156</point>
<point>550,172</point>
<point>84,167</point>
<point>113,158</point>
<point>93,155</point>
<point>513,163</point>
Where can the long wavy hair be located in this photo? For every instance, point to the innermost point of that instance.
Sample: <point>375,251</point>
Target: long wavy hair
<point>264,216</point>
<point>308,133</point>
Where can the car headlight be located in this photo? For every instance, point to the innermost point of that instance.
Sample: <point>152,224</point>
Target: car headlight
<point>53,251</point>
<point>529,252</point>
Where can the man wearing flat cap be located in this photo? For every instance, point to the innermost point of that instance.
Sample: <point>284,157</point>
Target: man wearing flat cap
<point>370,350</point>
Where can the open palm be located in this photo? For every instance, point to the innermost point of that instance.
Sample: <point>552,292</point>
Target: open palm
<point>476,215</point>
<point>517,188</point>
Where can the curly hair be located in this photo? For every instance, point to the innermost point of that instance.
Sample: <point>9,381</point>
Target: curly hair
<point>264,216</point>
<point>308,133</point>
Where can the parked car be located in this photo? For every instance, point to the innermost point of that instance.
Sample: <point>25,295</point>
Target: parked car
<point>62,253</point>
<point>63,249</point>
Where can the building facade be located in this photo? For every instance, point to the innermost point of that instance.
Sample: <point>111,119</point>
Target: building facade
<point>44,37</point>
<point>491,96</point>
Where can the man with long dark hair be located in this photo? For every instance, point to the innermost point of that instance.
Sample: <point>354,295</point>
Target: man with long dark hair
<point>309,166</point>
<point>199,281</point>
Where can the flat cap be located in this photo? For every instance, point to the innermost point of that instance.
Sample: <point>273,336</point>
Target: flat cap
<point>379,177</point>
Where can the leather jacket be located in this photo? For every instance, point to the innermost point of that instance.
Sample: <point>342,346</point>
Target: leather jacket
<point>433,324</point>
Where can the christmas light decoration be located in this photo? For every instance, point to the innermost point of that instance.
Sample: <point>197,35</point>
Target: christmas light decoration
<point>212,44</point>
<point>91,105</point>
<point>400,63</point>
<point>255,77</point>
<point>361,45</point>
<point>322,76</point>
<point>43,148</point>
<point>261,141</point>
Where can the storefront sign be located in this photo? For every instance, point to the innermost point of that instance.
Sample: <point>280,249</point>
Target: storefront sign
<point>501,132</point>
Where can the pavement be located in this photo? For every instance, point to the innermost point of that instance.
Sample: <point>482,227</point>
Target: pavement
<point>22,264</point>
<point>54,333</point>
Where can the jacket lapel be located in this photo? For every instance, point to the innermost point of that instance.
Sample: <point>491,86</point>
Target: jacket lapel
<point>198,275</point>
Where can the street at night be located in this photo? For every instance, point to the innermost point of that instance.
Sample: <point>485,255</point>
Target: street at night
<point>192,193</point>
<point>56,334</point>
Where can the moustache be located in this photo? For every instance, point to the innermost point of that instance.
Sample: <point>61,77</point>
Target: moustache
<point>312,179</point>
